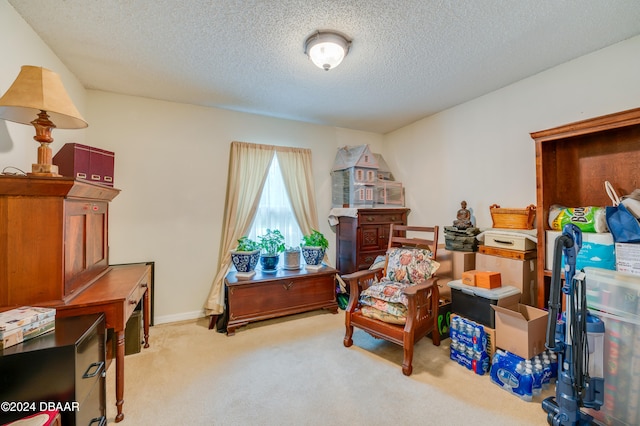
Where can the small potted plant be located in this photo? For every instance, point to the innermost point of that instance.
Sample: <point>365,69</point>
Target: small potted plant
<point>246,255</point>
<point>314,246</point>
<point>292,258</point>
<point>272,244</point>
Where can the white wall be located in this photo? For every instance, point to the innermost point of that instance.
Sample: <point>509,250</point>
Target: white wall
<point>20,45</point>
<point>482,152</point>
<point>172,165</point>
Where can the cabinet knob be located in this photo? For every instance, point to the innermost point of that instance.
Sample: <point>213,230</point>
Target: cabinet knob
<point>370,218</point>
<point>133,302</point>
<point>144,285</point>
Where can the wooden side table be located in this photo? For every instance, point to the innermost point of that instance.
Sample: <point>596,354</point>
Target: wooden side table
<point>271,295</point>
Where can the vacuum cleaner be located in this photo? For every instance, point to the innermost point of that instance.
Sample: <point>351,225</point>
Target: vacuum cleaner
<point>573,338</point>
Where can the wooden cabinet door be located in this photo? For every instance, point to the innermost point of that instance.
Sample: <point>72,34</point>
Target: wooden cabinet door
<point>85,248</point>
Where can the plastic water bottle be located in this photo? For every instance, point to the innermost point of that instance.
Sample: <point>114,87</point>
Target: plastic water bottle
<point>554,365</point>
<point>453,326</point>
<point>469,334</point>
<point>462,353</point>
<point>526,385</point>
<point>479,339</point>
<point>546,373</point>
<point>469,358</point>
<point>480,364</point>
<point>536,387</point>
<point>453,353</point>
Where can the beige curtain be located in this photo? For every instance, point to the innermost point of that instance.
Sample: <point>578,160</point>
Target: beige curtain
<point>297,173</point>
<point>248,168</point>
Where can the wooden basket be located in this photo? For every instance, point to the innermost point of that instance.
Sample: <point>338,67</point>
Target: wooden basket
<point>513,218</point>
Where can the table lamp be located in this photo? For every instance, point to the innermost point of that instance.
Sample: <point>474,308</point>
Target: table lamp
<point>38,97</point>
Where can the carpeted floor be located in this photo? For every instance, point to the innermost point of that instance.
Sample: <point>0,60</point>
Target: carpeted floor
<point>296,371</point>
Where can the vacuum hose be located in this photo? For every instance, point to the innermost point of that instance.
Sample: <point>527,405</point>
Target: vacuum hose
<point>554,291</point>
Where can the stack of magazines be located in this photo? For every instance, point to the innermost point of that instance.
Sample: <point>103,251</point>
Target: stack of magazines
<point>27,322</point>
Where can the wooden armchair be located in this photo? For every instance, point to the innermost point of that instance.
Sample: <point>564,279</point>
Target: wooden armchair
<point>405,282</point>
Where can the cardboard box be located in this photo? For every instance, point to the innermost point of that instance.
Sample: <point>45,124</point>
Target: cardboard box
<point>474,303</point>
<point>513,242</point>
<point>469,277</point>
<point>628,258</point>
<point>521,329</point>
<point>598,251</point>
<point>488,279</point>
<point>462,261</point>
<point>514,272</point>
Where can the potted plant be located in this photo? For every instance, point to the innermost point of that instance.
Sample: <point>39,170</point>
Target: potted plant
<point>292,258</point>
<point>272,244</point>
<point>314,246</point>
<point>246,255</point>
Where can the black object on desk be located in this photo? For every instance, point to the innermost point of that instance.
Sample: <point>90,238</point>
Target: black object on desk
<point>64,368</point>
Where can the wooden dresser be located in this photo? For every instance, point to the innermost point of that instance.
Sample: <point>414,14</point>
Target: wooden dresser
<point>64,369</point>
<point>361,239</point>
<point>270,295</point>
<point>54,252</point>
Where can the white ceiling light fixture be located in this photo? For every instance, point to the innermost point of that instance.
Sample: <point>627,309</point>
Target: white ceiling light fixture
<point>326,49</point>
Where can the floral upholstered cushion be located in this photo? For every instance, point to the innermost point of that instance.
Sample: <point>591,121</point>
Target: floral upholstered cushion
<point>387,291</point>
<point>392,308</point>
<point>386,297</point>
<point>410,265</point>
<point>371,312</point>
<point>386,300</point>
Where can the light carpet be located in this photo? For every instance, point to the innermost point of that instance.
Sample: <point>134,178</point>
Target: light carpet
<point>296,371</point>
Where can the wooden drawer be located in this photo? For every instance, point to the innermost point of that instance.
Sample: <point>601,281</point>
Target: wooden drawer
<point>512,242</point>
<point>136,295</point>
<point>365,260</point>
<point>387,217</point>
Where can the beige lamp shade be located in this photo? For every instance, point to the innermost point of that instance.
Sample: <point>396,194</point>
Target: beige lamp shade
<point>39,89</point>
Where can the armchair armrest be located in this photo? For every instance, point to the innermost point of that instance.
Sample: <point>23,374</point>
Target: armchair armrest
<point>358,281</point>
<point>414,289</point>
<point>422,299</point>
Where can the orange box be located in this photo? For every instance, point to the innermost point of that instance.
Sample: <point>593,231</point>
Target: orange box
<point>488,279</point>
<point>469,277</point>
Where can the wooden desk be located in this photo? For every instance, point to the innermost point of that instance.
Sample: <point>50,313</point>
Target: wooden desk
<point>270,295</point>
<point>116,294</point>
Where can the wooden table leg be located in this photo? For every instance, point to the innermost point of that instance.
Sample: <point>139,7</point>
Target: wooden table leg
<point>119,374</point>
<point>146,307</point>
<point>212,321</point>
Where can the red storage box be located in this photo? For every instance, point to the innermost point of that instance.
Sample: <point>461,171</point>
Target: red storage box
<point>85,162</point>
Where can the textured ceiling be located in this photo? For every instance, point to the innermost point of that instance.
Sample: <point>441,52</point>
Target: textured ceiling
<point>409,59</point>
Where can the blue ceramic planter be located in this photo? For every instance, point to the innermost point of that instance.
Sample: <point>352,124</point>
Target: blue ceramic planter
<point>245,261</point>
<point>269,262</point>
<point>313,255</point>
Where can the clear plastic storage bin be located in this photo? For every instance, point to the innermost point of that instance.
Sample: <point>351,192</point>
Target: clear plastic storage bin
<point>614,297</point>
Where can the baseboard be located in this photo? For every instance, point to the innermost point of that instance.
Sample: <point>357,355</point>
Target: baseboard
<point>184,316</point>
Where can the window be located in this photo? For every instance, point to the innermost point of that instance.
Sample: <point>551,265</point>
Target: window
<point>274,210</point>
